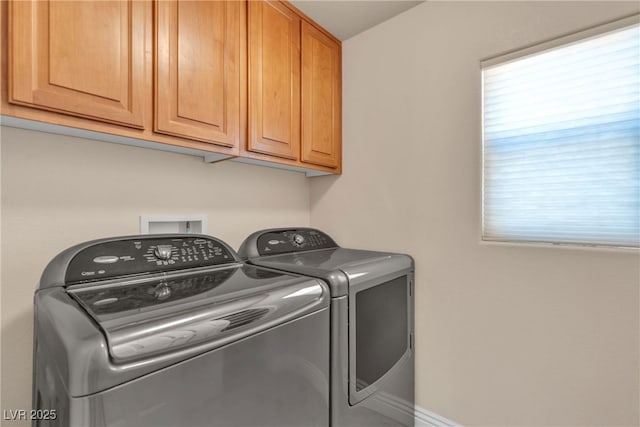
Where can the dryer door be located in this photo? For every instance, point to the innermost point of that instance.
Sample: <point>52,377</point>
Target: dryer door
<point>380,332</point>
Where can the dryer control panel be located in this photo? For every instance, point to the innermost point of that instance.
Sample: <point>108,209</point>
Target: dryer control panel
<point>295,240</point>
<point>143,254</point>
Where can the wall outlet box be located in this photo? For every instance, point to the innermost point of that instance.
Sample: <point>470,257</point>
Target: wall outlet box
<point>163,224</point>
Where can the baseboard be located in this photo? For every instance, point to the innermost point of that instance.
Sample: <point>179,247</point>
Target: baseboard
<point>399,410</point>
<point>403,411</point>
<point>426,418</point>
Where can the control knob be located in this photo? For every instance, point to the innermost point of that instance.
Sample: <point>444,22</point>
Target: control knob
<point>298,239</point>
<point>163,252</point>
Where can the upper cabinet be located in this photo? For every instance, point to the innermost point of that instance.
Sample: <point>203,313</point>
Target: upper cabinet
<point>256,80</point>
<point>321,98</point>
<point>294,87</point>
<point>80,58</point>
<point>274,80</point>
<point>197,90</point>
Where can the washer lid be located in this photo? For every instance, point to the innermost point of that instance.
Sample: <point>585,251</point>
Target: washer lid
<point>195,311</point>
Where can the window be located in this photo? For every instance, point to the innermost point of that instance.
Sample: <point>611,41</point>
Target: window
<point>561,140</point>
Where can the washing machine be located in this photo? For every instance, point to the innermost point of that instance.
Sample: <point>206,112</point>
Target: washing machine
<point>174,330</point>
<point>372,321</point>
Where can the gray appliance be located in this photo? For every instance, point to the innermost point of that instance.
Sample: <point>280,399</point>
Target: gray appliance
<point>173,330</point>
<point>372,326</point>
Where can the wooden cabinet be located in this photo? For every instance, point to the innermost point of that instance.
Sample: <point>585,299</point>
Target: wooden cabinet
<point>80,58</point>
<point>197,91</point>
<point>321,98</point>
<point>251,79</point>
<point>294,87</point>
<point>274,79</point>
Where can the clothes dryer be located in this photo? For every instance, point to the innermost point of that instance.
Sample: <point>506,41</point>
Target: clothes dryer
<point>372,321</point>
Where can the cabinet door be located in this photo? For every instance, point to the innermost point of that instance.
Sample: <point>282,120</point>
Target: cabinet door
<point>197,85</point>
<point>321,98</point>
<point>274,80</point>
<point>84,58</point>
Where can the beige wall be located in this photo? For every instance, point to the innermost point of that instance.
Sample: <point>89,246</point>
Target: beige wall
<point>58,191</point>
<point>506,335</point>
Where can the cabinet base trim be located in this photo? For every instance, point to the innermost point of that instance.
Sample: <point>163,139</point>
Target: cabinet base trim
<point>308,172</point>
<point>17,122</point>
<point>208,157</point>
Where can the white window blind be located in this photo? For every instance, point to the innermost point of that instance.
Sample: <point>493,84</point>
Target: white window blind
<point>561,132</point>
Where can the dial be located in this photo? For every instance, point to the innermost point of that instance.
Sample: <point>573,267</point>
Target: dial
<point>298,239</point>
<point>163,252</point>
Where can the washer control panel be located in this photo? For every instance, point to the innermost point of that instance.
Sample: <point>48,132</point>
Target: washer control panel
<point>296,240</point>
<point>146,255</point>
